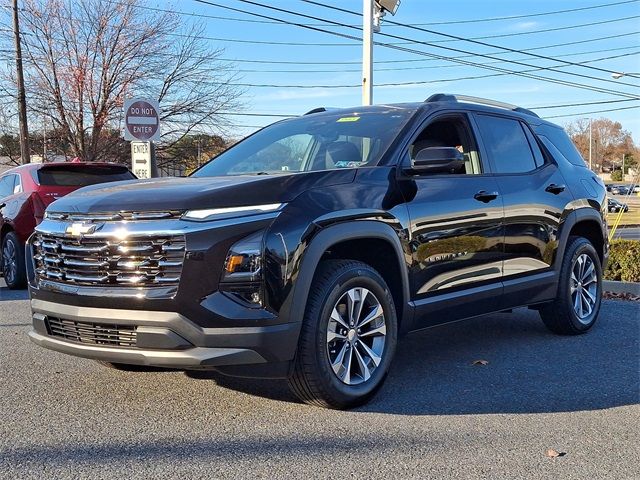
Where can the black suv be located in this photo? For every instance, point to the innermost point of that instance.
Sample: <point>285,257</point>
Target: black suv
<point>305,251</point>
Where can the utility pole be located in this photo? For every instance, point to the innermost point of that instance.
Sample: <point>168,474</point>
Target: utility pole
<point>590,142</point>
<point>367,52</point>
<point>623,167</point>
<point>22,102</point>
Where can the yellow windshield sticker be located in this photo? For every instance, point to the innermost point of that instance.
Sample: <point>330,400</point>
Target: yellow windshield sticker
<point>348,119</point>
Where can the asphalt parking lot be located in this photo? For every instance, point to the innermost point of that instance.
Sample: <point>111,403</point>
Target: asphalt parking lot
<point>438,416</point>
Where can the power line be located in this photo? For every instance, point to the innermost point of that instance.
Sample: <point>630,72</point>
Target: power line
<point>582,104</point>
<point>428,67</point>
<point>470,40</point>
<point>531,32</point>
<point>280,22</point>
<point>451,22</point>
<point>529,15</point>
<point>418,52</point>
<point>594,111</point>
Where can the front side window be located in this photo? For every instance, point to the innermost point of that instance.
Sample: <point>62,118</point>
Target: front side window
<point>322,141</point>
<point>506,143</point>
<point>450,131</point>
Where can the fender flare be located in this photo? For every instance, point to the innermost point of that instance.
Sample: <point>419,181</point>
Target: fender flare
<point>331,235</point>
<point>577,216</point>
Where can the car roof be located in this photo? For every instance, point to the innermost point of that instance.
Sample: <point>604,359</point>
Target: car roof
<point>438,104</point>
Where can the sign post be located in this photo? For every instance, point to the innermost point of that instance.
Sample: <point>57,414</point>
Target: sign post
<point>142,128</point>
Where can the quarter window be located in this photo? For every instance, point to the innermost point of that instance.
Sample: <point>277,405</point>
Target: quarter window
<point>507,144</point>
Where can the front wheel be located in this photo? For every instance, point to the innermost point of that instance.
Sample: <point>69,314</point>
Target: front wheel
<point>577,304</point>
<point>13,267</point>
<point>348,336</point>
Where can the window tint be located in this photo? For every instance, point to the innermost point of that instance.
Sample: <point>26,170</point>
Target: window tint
<point>6,185</point>
<point>535,148</point>
<point>564,144</point>
<point>287,154</point>
<point>319,141</point>
<point>450,131</point>
<point>80,176</point>
<point>506,144</point>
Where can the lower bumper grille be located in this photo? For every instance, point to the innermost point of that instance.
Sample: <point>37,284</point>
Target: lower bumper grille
<point>92,333</point>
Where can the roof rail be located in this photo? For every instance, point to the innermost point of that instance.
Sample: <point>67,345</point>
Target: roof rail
<point>447,97</point>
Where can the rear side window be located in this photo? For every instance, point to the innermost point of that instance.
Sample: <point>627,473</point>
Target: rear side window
<point>507,144</point>
<point>74,176</point>
<point>563,143</point>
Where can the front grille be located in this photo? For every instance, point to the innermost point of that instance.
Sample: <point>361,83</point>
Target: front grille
<point>134,262</point>
<point>92,333</point>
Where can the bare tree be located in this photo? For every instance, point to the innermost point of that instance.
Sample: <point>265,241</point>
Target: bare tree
<point>84,57</point>
<point>610,140</point>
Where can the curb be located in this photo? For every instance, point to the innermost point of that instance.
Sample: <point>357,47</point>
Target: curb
<point>621,287</point>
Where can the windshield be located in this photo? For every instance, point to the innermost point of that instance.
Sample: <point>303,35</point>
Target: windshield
<point>312,142</point>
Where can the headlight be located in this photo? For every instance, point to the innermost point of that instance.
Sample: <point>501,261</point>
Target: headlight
<point>242,274</point>
<point>220,213</point>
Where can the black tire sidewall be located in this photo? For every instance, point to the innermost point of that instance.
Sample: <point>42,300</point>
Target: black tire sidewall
<point>354,277</point>
<point>579,247</point>
<point>20,277</point>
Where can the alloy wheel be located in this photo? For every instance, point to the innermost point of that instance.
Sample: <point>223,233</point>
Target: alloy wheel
<point>356,336</point>
<point>584,287</point>
<point>9,261</point>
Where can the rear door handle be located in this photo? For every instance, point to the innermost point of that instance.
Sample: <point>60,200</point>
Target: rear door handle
<point>555,189</point>
<point>486,197</point>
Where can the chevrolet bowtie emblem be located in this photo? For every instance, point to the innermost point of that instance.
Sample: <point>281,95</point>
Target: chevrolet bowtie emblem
<point>80,229</point>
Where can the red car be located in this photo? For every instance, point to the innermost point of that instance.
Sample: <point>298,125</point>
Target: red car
<point>25,193</point>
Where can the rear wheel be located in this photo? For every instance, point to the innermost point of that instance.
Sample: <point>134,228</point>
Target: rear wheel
<point>348,336</point>
<point>13,267</point>
<point>577,305</point>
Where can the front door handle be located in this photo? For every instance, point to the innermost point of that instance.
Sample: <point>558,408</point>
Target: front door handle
<point>555,189</point>
<point>486,197</point>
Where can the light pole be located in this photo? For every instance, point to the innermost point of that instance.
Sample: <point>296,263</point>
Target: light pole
<point>372,13</point>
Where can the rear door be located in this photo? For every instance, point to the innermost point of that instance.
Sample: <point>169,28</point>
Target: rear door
<point>535,197</point>
<point>456,228</point>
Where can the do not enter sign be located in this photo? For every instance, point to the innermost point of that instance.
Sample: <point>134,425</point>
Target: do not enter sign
<point>141,120</point>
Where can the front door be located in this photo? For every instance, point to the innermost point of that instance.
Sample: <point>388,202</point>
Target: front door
<point>456,228</point>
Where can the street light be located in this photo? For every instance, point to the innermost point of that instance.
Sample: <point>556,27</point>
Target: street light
<point>372,13</point>
<point>619,75</point>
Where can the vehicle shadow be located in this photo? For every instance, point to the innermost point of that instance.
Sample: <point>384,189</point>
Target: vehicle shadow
<point>7,295</point>
<point>529,370</point>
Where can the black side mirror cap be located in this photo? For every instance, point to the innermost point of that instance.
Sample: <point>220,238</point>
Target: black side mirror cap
<point>437,160</point>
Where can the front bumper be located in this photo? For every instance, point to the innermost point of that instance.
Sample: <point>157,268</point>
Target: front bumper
<point>163,339</point>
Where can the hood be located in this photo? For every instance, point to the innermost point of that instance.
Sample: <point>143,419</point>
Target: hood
<point>189,193</point>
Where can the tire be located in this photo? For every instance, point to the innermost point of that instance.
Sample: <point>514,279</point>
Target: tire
<point>562,316</point>
<point>313,379</point>
<point>13,268</point>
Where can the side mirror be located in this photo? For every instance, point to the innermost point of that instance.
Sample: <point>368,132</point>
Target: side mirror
<point>437,160</point>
